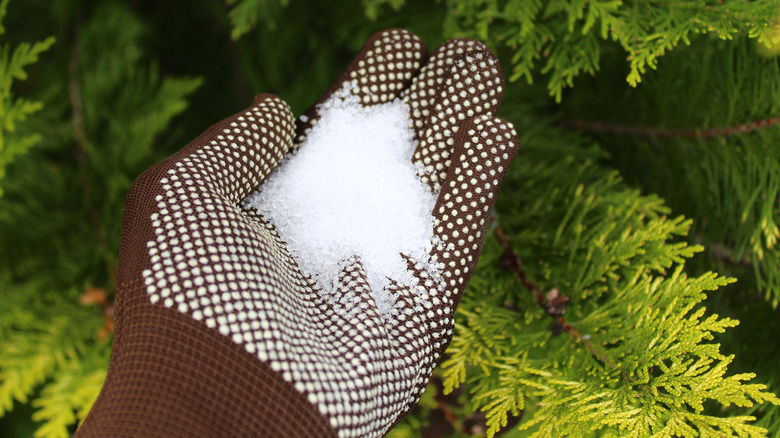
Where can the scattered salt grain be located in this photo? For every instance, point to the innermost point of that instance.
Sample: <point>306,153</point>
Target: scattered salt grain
<point>351,189</point>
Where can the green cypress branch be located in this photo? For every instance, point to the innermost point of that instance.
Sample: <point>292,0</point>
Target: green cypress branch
<point>568,36</point>
<point>373,8</point>
<point>31,353</point>
<point>636,356</point>
<point>14,110</point>
<point>105,110</point>
<point>71,393</point>
<point>701,154</point>
<point>246,13</point>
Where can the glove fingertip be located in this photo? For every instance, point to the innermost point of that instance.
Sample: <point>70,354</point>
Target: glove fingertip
<point>473,86</point>
<point>424,91</point>
<point>383,68</point>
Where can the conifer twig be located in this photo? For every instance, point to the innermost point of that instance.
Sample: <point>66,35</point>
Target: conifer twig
<point>554,303</point>
<point>449,404</point>
<point>79,135</point>
<point>647,131</point>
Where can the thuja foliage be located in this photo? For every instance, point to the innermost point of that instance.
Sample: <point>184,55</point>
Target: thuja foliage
<point>720,121</point>
<point>15,109</point>
<point>104,105</point>
<point>626,289</point>
<point>567,35</point>
<point>245,14</point>
<point>634,356</point>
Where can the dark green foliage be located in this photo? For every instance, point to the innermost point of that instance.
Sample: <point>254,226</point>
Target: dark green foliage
<point>625,198</point>
<point>735,184</point>
<point>245,14</point>
<point>14,110</point>
<point>104,105</point>
<point>568,34</point>
<point>642,353</point>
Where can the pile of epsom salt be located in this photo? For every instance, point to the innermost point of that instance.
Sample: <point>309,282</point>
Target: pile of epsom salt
<point>351,189</point>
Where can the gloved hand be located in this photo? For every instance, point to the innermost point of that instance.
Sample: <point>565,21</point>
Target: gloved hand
<point>218,333</point>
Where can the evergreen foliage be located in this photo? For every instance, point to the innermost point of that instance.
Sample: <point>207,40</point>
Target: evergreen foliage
<point>60,218</point>
<point>639,362</point>
<point>245,14</point>
<point>714,119</point>
<point>605,303</point>
<point>568,33</point>
<point>14,110</point>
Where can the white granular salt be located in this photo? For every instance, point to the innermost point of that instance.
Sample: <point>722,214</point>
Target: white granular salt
<point>351,189</point>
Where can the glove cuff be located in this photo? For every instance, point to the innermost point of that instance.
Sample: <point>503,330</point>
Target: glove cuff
<point>179,380</point>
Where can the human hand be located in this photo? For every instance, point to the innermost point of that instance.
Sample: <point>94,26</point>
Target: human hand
<point>219,333</point>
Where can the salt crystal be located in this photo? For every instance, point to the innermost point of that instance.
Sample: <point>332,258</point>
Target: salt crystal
<point>351,189</point>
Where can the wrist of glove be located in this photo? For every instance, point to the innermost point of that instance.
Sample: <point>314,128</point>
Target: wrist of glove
<point>219,333</point>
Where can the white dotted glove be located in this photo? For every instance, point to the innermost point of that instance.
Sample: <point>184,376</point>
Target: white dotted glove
<point>218,333</point>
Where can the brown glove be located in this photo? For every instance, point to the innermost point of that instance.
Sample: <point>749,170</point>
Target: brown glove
<point>218,333</point>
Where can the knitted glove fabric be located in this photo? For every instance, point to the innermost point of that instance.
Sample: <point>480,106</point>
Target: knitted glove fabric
<point>218,333</point>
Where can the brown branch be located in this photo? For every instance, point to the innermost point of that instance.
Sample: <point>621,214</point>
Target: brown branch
<point>553,302</point>
<point>79,152</point>
<point>723,253</point>
<point>445,419</point>
<point>646,131</point>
